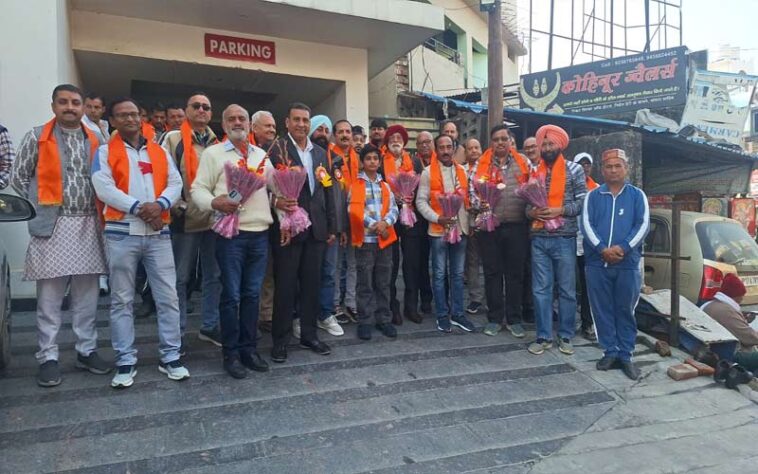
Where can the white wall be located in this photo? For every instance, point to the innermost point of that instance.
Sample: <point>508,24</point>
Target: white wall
<point>433,73</point>
<point>36,57</point>
<point>382,99</point>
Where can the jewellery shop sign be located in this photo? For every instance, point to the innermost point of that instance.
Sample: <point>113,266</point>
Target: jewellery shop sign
<point>649,80</point>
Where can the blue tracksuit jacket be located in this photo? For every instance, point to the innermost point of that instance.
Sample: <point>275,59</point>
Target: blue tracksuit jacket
<point>623,220</point>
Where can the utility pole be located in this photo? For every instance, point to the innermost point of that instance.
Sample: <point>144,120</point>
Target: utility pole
<point>494,64</point>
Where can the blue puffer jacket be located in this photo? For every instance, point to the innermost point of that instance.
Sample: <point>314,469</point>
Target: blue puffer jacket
<point>607,221</point>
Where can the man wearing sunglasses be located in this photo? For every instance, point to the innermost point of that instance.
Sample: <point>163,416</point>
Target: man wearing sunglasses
<point>190,227</point>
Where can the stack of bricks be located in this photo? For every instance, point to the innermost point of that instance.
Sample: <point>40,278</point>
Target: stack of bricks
<point>690,369</point>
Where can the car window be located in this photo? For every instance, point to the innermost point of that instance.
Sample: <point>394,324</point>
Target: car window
<point>657,239</point>
<point>727,242</point>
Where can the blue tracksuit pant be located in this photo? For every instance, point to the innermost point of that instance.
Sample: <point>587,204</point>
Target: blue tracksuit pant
<point>614,293</point>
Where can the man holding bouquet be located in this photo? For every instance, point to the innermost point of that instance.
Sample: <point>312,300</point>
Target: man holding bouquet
<point>504,250</point>
<point>243,257</point>
<point>553,230</point>
<point>298,255</point>
<point>445,181</point>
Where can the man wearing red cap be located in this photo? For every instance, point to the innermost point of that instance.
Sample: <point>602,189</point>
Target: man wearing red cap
<point>725,309</point>
<point>396,159</point>
<point>615,220</point>
<point>553,231</point>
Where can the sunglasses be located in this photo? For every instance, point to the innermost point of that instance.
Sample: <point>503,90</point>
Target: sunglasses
<point>198,106</point>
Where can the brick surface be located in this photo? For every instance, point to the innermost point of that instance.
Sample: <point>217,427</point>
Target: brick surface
<point>702,369</point>
<point>682,372</point>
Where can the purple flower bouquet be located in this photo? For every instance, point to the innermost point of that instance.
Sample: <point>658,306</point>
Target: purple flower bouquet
<point>535,193</point>
<point>489,194</point>
<point>404,183</point>
<point>289,182</point>
<point>241,183</point>
<point>451,204</point>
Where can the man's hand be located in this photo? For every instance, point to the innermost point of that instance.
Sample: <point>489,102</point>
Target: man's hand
<point>286,205</point>
<point>225,205</point>
<point>330,240</point>
<point>446,221</point>
<point>156,224</point>
<point>551,213</point>
<point>380,228</point>
<point>612,255</point>
<point>343,239</point>
<point>179,208</point>
<point>150,211</point>
<point>285,238</point>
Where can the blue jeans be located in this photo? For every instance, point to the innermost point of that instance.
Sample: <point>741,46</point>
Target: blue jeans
<point>243,260</point>
<point>154,251</point>
<point>186,247</point>
<point>554,260</point>
<point>328,280</point>
<point>442,252</point>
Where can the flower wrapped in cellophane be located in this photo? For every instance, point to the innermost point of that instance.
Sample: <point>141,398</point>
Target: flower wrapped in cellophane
<point>489,194</point>
<point>404,184</point>
<point>289,181</point>
<point>241,183</point>
<point>451,203</point>
<point>535,193</point>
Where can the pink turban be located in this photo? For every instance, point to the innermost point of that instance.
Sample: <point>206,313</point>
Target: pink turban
<point>555,133</point>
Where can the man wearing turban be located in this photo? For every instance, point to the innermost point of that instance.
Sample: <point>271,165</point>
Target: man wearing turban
<point>553,231</point>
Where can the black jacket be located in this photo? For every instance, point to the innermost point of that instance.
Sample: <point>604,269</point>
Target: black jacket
<point>319,205</point>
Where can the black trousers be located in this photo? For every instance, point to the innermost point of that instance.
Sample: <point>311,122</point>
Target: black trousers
<point>297,278</point>
<point>503,253</point>
<point>415,262</point>
<point>583,297</point>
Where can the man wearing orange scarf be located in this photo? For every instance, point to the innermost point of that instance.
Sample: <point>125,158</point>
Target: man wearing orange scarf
<point>190,227</point>
<point>138,182</point>
<point>554,249</point>
<point>52,170</point>
<point>444,176</point>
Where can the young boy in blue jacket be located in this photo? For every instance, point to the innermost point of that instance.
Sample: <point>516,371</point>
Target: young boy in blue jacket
<point>615,221</point>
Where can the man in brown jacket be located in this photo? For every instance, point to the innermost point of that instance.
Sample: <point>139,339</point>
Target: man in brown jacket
<point>725,309</point>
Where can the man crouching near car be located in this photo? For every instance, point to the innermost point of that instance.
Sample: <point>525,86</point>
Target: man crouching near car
<point>615,221</point>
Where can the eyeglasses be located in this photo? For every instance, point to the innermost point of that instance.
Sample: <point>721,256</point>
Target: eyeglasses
<point>198,106</point>
<point>127,116</point>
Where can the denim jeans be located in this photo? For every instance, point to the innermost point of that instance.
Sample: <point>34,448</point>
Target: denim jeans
<point>328,280</point>
<point>554,260</point>
<point>442,254</point>
<point>346,269</point>
<point>154,251</point>
<point>186,247</point>
<point>374,267</point>
<point>242,260</point>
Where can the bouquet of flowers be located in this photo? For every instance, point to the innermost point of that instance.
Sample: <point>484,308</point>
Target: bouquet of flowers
<point>451,204</point>
<point>241,183</point>
<point>404,183</point>
<point>289,181</point>
<point>489,195</point>
<point>535,193</point>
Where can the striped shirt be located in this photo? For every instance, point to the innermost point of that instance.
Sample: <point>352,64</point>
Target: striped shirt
<point>6,157</point>
<point>373,209</point>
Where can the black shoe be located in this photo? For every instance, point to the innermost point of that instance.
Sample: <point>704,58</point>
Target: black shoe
<point>145,309</point>
<point>351,314</point>
<point>234,367</point>
<point>629,369</point>
<point>92,363</point>
<point>49,374</point>
<point>190,308</point>
<point>414,317</point>
<point>607,363</point>
<point>210,335</point>
<point>397,318</point>
<point>426,308</point>
<point>737,375</point>
<point>265,326</point>
<point>589,333</point>
<point>722,370</point>
<point>342,318</point>
<point>473,308</point>
<point>254,362</point>
<point>387,329</point>
<point>364,332</point>
<point>279,353</point>
<point>316,346</point>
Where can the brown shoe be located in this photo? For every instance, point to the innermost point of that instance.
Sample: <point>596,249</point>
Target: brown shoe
<point>397,318</point>
<point>264,326</point>
<point>413,317</point>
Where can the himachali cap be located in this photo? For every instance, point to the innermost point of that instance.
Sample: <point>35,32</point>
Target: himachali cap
<point>614,153</point>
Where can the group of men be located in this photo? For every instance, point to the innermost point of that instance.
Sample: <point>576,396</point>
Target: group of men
<point>137,201</point>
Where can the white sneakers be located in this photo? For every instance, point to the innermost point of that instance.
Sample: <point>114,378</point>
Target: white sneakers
<point>124,376</point>
<point>296,328</point>
<point>331,326</point>
<point>174,370</point>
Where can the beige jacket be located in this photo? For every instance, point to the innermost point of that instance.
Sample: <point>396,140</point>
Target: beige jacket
<point>734,321</point>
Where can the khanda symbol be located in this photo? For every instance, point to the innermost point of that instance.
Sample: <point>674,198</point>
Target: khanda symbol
<point>541,97</point>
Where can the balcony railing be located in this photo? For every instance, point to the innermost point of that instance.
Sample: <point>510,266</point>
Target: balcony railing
<point>443,50</point>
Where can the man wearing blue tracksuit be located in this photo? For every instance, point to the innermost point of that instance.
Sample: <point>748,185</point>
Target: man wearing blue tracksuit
<point>615,221</point>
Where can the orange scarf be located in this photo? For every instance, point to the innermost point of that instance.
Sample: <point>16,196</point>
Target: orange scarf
<point>389,167</point>
<point>49,171</point>
<point>119,163</point>
<point>350,164</point>
<point>356,211</point>
<point>191,161</point>
<point>591,184</point>
<point>251,138</point>
<point>437,187</point>
<point>148,131</point>
<point>485,172</point>
<point>557,190</point>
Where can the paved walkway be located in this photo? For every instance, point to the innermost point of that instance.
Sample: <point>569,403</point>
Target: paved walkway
<point>426,402</point>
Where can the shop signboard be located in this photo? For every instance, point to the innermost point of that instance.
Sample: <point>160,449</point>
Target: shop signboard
<point>649,80</point>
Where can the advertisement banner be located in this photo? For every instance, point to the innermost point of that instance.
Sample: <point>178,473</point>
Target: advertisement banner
<point>719,104</point>
<point>649,80</point>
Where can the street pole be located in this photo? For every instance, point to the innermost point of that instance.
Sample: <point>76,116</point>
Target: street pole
<point>495,66</point>
<point>676,219</point>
